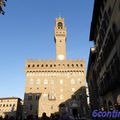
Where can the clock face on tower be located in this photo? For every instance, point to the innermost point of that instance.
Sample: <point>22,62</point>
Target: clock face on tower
<point>61,57</point>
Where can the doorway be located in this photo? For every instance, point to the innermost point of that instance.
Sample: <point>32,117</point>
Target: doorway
<point>75,112</point>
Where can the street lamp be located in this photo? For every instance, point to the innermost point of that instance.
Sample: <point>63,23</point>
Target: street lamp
<point>2,4</point>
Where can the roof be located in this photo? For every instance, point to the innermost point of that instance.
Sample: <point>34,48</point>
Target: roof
<point>95,17</point>
<point>6,98</point>
<point>56,61</point>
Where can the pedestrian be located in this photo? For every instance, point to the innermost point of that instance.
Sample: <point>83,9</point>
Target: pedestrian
<point>6,117</point>
<point>57,116</point>
<point>1,118</point>
<point>36,117</point>
<point>52,117</point>
<point>44,117</point>
<point>63,113</point>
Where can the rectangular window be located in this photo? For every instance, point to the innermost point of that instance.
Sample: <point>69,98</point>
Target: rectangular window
<point>30,106</point>
<point>37,97</point>
<point>29,97</point>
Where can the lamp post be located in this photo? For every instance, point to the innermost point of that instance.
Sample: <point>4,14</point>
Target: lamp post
<point>2,4</point>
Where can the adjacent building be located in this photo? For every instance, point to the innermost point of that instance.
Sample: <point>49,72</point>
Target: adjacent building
<point>11,106</point>
<point>92,83</point>
<point>77,105</point>
<point>51,82</point>
<point>103,74</point>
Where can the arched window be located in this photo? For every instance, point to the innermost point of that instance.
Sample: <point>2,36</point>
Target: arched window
<point>45,82</point>
<point>60,25</point>
<point>73,89</point>
<point>31,82</point>
<point>38,81</point>
<point>61,81</point>
<point>61,97</point>
<point>72,81</point>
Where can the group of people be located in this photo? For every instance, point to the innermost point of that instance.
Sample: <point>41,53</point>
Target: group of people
<point>52,117</point>
<point>63,116</point>
<point>9,118</point>
<point>44,117</point>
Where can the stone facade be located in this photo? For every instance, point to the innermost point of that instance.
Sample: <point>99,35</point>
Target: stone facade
<point>11,106</point>
<point>92,84</point>
<point>51,82</point>
<point>77,104</point>
<point>105,32</point>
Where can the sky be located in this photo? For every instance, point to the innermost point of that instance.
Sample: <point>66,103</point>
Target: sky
<point>27,32</point>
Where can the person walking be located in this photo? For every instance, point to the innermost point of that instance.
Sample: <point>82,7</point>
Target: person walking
<point>44,117</point>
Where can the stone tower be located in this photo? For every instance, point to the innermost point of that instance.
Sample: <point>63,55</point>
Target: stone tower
<point>52,82</point>
<point>60,39</point>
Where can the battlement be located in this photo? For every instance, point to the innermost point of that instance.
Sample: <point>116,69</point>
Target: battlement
<point>51,60</point>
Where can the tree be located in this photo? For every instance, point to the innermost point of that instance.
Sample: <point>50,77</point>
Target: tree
<point>2,4</point>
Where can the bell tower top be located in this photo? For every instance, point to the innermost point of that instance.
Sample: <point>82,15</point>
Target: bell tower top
<point>60,23</point>
<point>60,39</point>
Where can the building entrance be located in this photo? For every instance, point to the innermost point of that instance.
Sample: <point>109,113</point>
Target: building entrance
<point>75,112</point>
